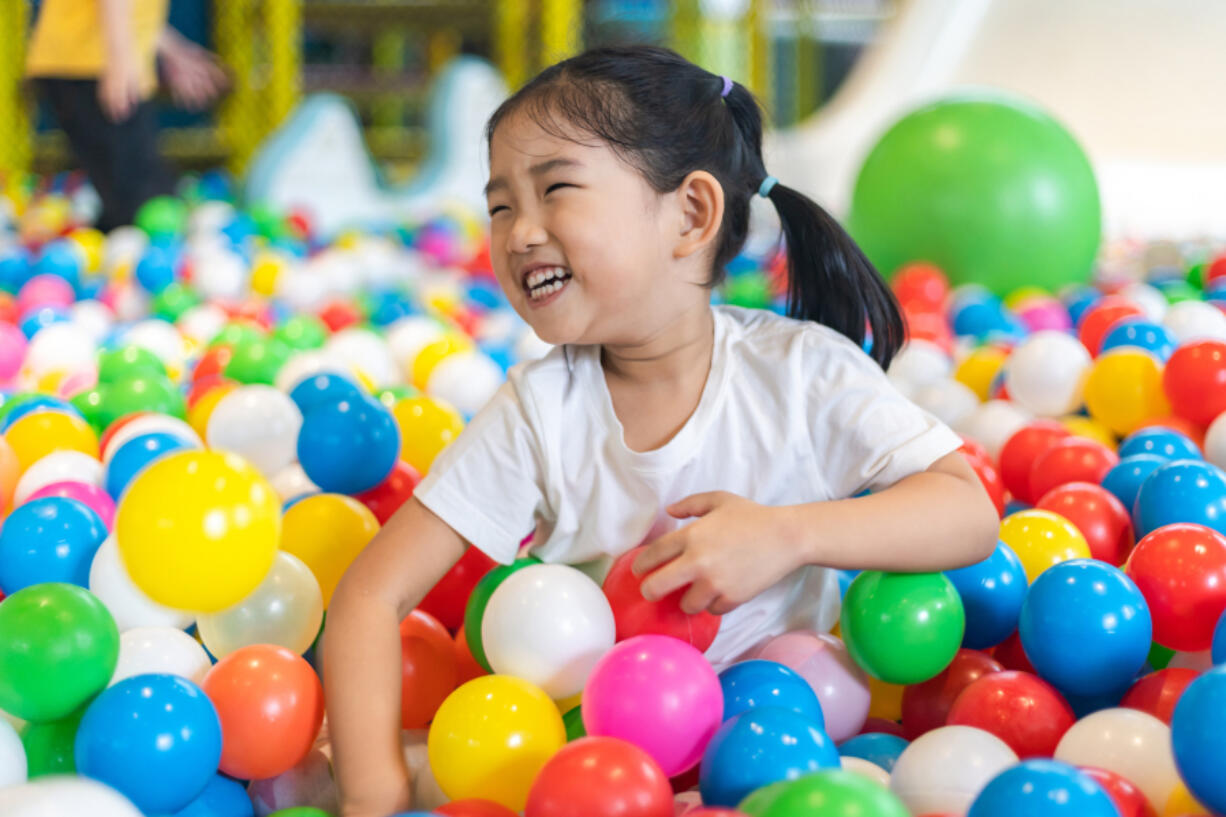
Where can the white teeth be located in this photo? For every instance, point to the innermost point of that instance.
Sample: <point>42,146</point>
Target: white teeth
<point>546,290</point>
<point>538,277</point>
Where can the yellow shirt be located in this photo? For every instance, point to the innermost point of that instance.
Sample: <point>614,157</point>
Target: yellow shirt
<point>68,40</point>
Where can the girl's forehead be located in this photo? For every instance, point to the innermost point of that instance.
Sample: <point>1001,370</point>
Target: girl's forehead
<point>520,138</point>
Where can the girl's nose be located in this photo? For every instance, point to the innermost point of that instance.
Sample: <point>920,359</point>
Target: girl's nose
<point>525,234</point>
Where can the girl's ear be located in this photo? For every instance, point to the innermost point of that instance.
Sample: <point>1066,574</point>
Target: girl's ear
<point>701,198</point>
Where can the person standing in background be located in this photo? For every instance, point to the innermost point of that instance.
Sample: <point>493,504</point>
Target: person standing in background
<point>95,62</point>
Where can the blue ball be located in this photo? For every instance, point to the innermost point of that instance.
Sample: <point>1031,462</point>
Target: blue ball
<point>1015,505</point>
<point>323,389</point>
<point>1125,478</point>
<point>1160,441</point>
<point>42,317</point>
<point>760,747</point>
<point>41,402</point>
<point>1141,334</point>
<point>14,269</point>
<point>63,258</point>
<point>1042,788</point>
<point>1085,627</point>
<point>753,684</point>
<point>52,539</point>
<point>980,317</point>
<point>1218,652</point>
<point>1198,734</point>
<point>1181,491</point>
<point>156,269</point>
<point>881,748</point>
<point>389,307</point>
<point>992,593</point>
<point>155,738</point>
<point>222,797</point>
<point>349,446</point>
<point>1080,300</point>
<point>1083,705</point>
<point>137,454</point>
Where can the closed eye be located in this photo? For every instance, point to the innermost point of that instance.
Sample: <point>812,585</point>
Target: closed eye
<point>499,207</point>
<point>554,187</point>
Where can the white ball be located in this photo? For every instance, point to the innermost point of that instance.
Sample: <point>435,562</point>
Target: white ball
<point>498,327</point>
<point>259,424</point>
<point>1046,372</point>
<point>13,767</point>
<point>1215,441</point>
<point>919,363</point>
<point>466,380</point>
<point>303,288</point>
<point>409,335</point>
<point>127,603</point>
<point>124,245</point>
<point>945,769</point>
<point>1149,298</point>
<point>1195,320</point>
<point>992,424</point>
<point>131,302</point>
<point>60,347</point>
<point>94,317</point>
<point>202,323</point>
<point>365,351</point>
<point>149,424</point>
<point>548,624</point>
<point>948,400</point>
<point>1129,742</point>
<point>58,466</point>
<point>160,650</point>
<point>308,364</point>
<point>219,274</point>
<point>292,482</point>
<point>163,340</point>
<point>65,796</point>
<point>210,217</point>
<point>863,767</point>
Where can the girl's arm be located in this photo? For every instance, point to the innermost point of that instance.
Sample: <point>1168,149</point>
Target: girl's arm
<point>119,84</point>
<point>362,656</point>
<point>938,519</point>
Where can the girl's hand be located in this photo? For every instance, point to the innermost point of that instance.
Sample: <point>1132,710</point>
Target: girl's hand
<point>736,550</point>
<point>119,88</point>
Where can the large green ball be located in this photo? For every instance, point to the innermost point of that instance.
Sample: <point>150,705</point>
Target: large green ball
<point>302,332</point>
<point>50,746</point>
<point>128,361</point>
<point>903,628</point>
<point>142,391</point>
<point>833,793</point>
<point>990,189</point>
<point>162,217</point>
<point>258,360</point>
<point>58,648</point>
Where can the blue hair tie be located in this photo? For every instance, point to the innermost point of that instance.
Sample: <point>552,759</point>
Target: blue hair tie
<point>727,87</point>
<point>768,184</point>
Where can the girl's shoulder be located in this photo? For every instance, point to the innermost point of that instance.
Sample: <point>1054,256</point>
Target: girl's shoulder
<point>762,333</point>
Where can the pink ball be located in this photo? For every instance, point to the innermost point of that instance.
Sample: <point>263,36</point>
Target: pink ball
<point>12,351</point>
<point>1045,314</point>
<point>45,290</point>
<point>93,497</point>
<point>658,693</point>
<point>823,661</point>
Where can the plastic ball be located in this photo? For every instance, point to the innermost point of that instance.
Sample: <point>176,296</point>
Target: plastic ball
<point>466,380</point>
<point>757,683</point>
<point>135,425</point>
<point>1102,317</point>
<point>427,426</point>
<point>1124,389</point>
<point>137,454</point>
<point>1020,708</point>
<point>155,738</point>
<point>257,360</point>
<point>59,466</point>
<point>1070,460</point>
<point>302,332</point>
<point>110,582</point>
<point>1141,334</point>
<point>349,446</point>
<point>1124,481</point>
<point>600,777</point>
<point>1184,491</point>
<point>48,540</point>
<point>1195,381</point>
<point>429,669</point>
<point>1045,373</point>
<point>271,706</point>
<point>385,499</point>
<point>151,393</point>
<point>659,694</point>
<point>161,650</point>
<point>156,269</point>
<point>222,797</point>
<point>1191,319</point>
<point>634,615</point>
<point>1102,519</point>
<point>1021,449</point>
<point>1158,692</point>
<point>926,706</point>
<point>1133,744</point>
<point>1042,787</point>
<point>491,738</point>
<point>1042,539</point>
<point>323,389</point>
<point>58,648</point>
<point>946,768</point>
<point>1181,571</point>
<point>478,600</point>
<point>40,433</point>
<point>1085,627</point>
<point>447,600</point>
<point>198,530</point>
<point>162,216</point>
<point>878,748</point>
<point>327,532</point>
<point>259,424</point>
<point>285,609</point>
<point>992,592</point>
<point>66,796</point>
<point>829,792</point>
<point>1199,737</point>
<point>823,661</point>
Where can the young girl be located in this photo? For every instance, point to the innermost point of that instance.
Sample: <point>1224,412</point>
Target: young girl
<point>620,186</point>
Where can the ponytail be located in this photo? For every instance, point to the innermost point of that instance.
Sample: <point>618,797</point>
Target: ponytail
<point>829,278</point>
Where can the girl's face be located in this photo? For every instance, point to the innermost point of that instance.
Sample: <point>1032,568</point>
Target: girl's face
<point>579,241</point>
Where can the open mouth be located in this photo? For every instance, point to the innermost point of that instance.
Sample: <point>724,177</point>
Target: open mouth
<point>542,282</point>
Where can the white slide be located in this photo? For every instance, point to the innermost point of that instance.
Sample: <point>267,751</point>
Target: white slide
<point>1141,85</point>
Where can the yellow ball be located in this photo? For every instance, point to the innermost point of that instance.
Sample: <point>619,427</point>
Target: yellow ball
<point>266,271</point>
<point>91,242</point>
<point>198,530</point>
<point>1018,297</point>
<point>1124,390</point>
<point>1091,429</point>
<point>1181,803</point>
<point>39,433</point>
<point>979,369</point>
<point>427,426</point>
<point>433,354</point>
<point>327,532</point>
<point>885,700</point>
<point>1042,539</point>
<point>491,737</point>
<point>200,412</point>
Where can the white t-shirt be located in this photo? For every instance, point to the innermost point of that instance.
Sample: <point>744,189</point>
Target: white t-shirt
<point>792,411</point>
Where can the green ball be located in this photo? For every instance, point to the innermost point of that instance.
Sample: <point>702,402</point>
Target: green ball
<point>1177,290</point>
<point>174,300</point>
<point>16,401</point>
<point>141,392</point>
<point>302,332</point>
<point>258,361</point>
<point>130,361</point>
<point>269,222</point>
<point>990,189</point>
<point>573,720</point>
<point>833,793</point>
<point>301,811</point>
<point>58,648</point>
<point>749,290</point>
<point>474,612</point>
<point>903,628</point>
<point>1159,656</point>
<point>235,334</point>
<point>49,746</point>
<point>1196,275</point>
<point>89,403</point>
<point>162,217</point>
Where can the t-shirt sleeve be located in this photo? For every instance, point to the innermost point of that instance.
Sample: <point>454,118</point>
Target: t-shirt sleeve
<point>866,435</point>
<point>488,484</point>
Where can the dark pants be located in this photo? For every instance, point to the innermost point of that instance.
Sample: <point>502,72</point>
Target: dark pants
<point>121,158</point>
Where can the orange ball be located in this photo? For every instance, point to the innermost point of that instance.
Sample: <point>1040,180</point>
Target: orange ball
<point>10,471</point>
<point>428,668</point>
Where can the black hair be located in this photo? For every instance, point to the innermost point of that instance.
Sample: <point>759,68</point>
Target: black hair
<point>667,118</point>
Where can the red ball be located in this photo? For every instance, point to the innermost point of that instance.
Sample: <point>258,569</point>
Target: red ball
<point>1195,381</point>
<point>1181,571</point>
<point>1216,269</point>
<point>926,705</point>
<point>1099,318</point>
<point>973,448</point>
<point>1073,459</point>
<point>1011,655</point>
<point>686,781</point>
<point>1128,799</point>
<point>385,499</point>
<point>8,309</point>
<point>104,441</point>
<point>600,777</point>
<point>1021,709</point>
<point>635,615</point>
<point>447,599</point>
<point>474,808</point>
<point>929,326</point>
<point>213,362</point>
<point>921,283</point>
<point>428,670</point>
<point>1158,692</point>
<point>714,812</point>
<point>1020,451</point>
<point>1101,518</point>
<point>338,315</point>
<point>989,477</point>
